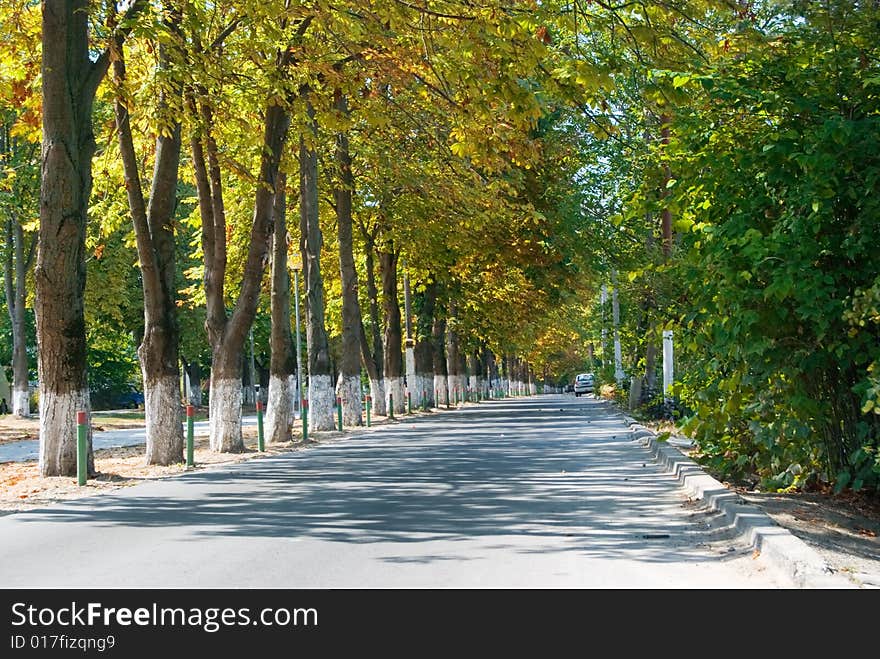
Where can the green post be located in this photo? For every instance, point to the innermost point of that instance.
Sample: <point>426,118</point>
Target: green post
<point>390,405</point>
<point>408,402</point>
<point>339,411</point>
<point>305,419</point>
<point>82,448</point>
<point>369,405</point>
<point>261,445</point>
<point>190,411</point>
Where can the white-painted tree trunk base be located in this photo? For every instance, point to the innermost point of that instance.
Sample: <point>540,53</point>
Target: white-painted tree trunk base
<point>322,403</point>
<point>377,396</point>
<point>279,409</point>
<point>224,411</point>
<point>413,387</point>
<point>349,389</point>
<point>21,405</point>
<point>424,396</point>
<point>195,396</point>
<point>247,395</point>
<point>533,389</point>
<point>164,427</point>
<point>410,362</point>
<point>477,386</point>
<point>394,386</point>
<point>441,393</point>
<point>456,387</point>
<point>58,432</point>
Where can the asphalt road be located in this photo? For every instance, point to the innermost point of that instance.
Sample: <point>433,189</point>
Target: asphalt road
<point>548,491</point>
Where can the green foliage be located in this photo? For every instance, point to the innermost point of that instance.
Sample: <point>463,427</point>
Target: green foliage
<point>778,171</point>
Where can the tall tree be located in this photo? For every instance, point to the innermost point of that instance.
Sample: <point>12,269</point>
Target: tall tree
<point>320,415</point>
<point>371,348</point>
<point>425,303</point>
<point>228,333</point>
<point>70,79</point>
<point>456,358</point>
<point>17,156</point>
<point>393,343</point>
<point>282,365</point>
<point>349,363</point>
<point>15,268</point>
<point>438,354</point>
<point>154,232</point>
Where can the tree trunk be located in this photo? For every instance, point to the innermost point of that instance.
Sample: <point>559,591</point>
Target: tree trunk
<point>513,377</point>
<point>492,369</point>
<point>248,373</point>
<point>282,364</point>
<point>154,233</point>
<point>350,358</point>
<point>373,359</point>
<point>477,372</point>
<point>454,357</point>
<point>69,82</point>
<point>15,270</point>
<point>423,385</point>
<point>194,373</point>
<point>227,335</point>
<point>514,383</point>
<point>650,370</point>
<point>393,339</point>
<point>321,398</point>
<point>615,316</point>
<point>438,354</point>
<point>411,385</point>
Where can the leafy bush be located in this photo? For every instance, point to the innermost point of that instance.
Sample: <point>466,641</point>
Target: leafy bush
<point>779,165</point>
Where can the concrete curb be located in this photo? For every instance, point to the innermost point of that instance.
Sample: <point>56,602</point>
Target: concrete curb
<point>775,543</point>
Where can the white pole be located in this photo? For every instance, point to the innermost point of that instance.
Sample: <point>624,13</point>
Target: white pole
<point>296,402</point>
<point>615,311</point>
<point>667,365</point>
<point>410,355</point>
<point>603,298</point>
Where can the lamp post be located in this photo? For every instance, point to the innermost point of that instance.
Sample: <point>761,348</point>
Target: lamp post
<point>296,400</point>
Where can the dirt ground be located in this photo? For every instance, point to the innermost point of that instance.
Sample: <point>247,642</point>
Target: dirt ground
<point>844,529</point>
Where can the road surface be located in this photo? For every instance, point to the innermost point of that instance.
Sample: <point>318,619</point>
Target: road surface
<point>541,492</point>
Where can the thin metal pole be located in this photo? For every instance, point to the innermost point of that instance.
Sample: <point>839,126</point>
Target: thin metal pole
<point>261,446</point>
<point>190,461</point>
<point>305,419</point>
<point>82,446</point>
<point>299,382</point>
